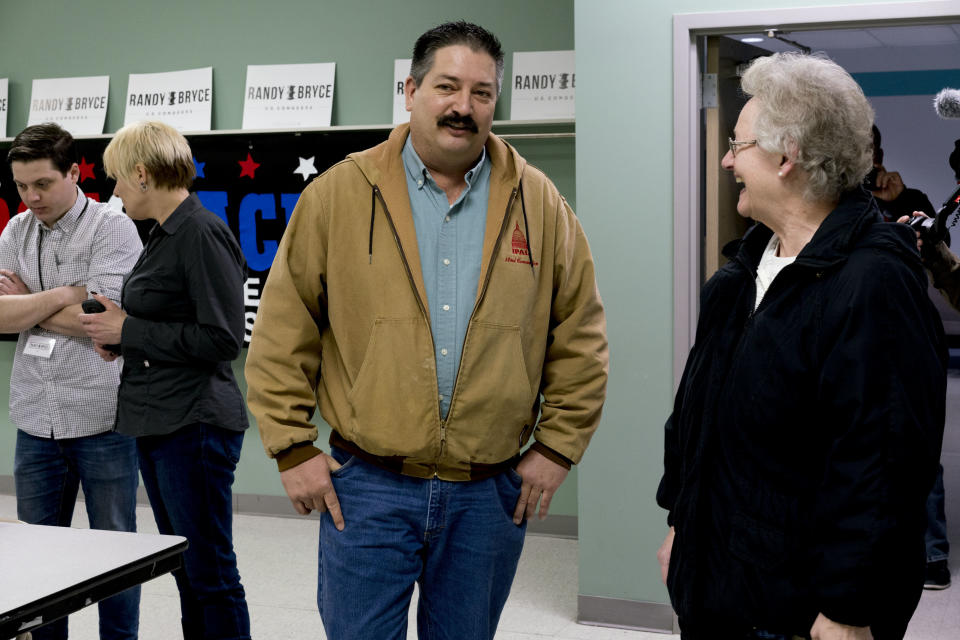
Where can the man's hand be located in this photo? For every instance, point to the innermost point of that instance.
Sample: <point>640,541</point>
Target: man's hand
<point>826,629</point>
<point>663,554</point>
<point>541,478</point>
<point>309,487</point>
<point>11,284</point>
<point>889,185</point>
<point>105,327</point>
<point>906,219</point>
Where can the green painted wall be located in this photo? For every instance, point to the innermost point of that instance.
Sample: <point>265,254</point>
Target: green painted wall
<point>115,38</point>
<point>625,196</point>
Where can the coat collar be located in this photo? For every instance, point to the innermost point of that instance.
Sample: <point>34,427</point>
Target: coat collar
<point>383,168</point>
<point>844,228</point>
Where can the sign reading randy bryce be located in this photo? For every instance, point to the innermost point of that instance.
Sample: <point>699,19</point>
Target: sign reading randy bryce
<point>182,99</point>
<point>544,85</point>
<point>284,96</point>
<point>79,105</point>
<point>401,69</point>
<point>4,99</point>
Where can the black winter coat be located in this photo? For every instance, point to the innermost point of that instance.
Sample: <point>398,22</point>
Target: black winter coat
<point>805,436</point>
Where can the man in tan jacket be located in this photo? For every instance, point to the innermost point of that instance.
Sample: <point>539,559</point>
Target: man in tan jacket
<point>435,296</point>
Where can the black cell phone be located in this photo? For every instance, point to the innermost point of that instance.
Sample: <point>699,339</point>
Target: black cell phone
<point>95,306</point>
<point>92,306</point>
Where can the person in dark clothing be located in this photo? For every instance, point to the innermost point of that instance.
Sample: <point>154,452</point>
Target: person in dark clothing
<point>807,425</point>
<point>944,269</point>
<point>180,327</point>
<point>893,197</point>
<point>897,202</point>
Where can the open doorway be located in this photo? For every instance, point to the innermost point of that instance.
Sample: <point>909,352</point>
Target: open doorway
<point>696,148</point>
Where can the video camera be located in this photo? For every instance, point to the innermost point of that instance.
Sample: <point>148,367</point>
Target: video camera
<point>934,230</point>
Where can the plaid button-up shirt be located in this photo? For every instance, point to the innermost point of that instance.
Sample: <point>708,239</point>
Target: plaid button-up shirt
<point>73,393</point>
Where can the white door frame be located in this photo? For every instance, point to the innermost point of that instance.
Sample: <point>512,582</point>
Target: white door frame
<point>687,27</point>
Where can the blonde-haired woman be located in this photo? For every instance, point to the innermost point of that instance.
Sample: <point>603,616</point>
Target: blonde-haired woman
<point>180,326</point>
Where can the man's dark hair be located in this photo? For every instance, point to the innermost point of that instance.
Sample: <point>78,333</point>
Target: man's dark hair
<point>46,141</point>
<point>452,33</point>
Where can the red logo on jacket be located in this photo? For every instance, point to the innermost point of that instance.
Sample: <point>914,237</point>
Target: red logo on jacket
<point>519,249</point>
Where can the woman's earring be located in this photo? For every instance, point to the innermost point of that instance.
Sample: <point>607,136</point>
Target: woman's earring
<point>779,173</point>
<point>143,186</point>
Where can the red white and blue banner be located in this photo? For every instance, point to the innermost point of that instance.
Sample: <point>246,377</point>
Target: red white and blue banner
<point>544,85</point>
<point>182,99</point>
<point>288,96</point>
<point>250,180</point>
<point>79,105</point>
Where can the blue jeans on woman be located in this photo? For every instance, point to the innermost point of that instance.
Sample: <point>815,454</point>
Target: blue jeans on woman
<point>188,475</point>
<point>456,540</point>
<point>47,474</point>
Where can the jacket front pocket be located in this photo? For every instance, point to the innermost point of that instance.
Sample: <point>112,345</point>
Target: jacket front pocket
<point>394,409</point>
<point>493,399</point>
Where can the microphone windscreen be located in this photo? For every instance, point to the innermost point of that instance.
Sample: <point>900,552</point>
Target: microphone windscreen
<point>947,103</point>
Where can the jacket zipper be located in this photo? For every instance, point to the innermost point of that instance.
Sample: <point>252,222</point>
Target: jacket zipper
<point>483,291</point>
<point>420,303</point>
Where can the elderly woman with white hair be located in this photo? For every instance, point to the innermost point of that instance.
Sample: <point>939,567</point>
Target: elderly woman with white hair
<point>807,426</point>
<point>180,327</point>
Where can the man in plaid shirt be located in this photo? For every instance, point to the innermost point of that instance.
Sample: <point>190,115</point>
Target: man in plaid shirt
<point>63,396</point>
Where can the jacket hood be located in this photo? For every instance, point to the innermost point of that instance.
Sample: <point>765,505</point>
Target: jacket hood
<point>855,223</point>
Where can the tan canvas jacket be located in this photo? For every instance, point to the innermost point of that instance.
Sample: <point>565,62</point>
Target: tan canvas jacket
<point>343,324</point>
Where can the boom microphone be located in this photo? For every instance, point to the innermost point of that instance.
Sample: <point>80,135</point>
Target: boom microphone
<point>947,104</point>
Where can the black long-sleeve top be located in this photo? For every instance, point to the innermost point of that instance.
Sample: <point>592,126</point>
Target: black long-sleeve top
<point>185,325</point>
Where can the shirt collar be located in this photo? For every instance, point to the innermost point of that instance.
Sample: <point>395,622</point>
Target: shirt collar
<point>68,221</point>
<point>418,172</point>
<point>180,214</point>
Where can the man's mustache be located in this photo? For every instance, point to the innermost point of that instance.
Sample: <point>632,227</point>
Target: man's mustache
<point>461,121</point>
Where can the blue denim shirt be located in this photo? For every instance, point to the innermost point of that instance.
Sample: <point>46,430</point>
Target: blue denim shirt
<point>450,240</point>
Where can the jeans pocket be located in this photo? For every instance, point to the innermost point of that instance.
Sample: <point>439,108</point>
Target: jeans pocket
<point>515,477</point>
<point>345,467</point>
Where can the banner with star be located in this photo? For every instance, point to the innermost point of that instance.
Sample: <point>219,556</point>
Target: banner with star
<point>4,101</point>
<point>182,99</point>
<point>544,85</point>
<point>79,105</point>
<point>288,96</point>
<point>250,180</point>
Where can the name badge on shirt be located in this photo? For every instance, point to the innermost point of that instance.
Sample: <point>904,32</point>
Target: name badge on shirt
<point>39,346</point>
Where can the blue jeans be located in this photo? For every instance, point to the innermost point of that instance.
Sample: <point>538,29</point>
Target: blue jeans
<point>188,475</point>
<point>48,473</point>
<point>938,548</point>
<point>457,540</point>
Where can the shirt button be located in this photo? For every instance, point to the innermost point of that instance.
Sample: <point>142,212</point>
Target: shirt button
<point>446,261</point>
<point>443,352</point>
<point>419,183</point>
<point>446,307</point>
<point>447,218</point>
<point>441,397</point>
<point>146,363</point>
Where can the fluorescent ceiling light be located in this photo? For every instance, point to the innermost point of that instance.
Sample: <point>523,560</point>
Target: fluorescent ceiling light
<point>751,40</point>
